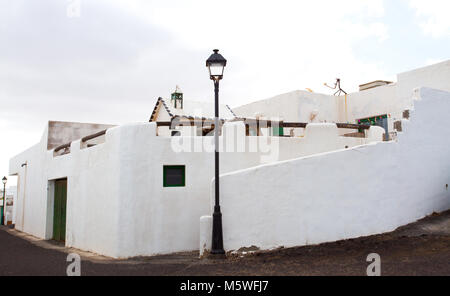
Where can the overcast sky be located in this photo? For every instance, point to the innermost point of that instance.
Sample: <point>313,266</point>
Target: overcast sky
<point>107,61</point>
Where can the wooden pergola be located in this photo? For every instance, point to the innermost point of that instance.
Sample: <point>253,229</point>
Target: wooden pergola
<point>249,123</point>
<point>207,125</point>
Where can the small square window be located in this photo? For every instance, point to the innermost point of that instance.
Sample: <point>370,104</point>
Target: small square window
<point>174,176</point>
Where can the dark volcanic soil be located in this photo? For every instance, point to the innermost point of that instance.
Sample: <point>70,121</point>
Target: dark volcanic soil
<point>421,248</point>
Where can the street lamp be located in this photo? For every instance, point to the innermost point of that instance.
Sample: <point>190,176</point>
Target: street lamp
<point>4,180</point>
<point>216,64</point>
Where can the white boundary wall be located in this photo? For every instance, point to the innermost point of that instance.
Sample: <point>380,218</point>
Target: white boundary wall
<point>344,194</point>
<point>116,203</point>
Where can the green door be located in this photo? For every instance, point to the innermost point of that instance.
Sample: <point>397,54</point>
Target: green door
<point>59,212</point>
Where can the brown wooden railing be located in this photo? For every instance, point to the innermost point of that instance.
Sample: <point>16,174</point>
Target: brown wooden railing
<point>210,123</point>
<point>93,136</point>
<point>260,123</point>
<point>84,139</point>
<point>63,146</point>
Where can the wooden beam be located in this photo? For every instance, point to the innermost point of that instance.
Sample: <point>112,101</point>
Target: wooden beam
<point>67,145</point>
<point>260,123</point>
<point>186,123</point>
<point>93,136</point>
<point>353,126</point>
<point>295,124</point>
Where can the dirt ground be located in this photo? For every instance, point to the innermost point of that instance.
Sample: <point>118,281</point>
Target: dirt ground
<point>421,248</point>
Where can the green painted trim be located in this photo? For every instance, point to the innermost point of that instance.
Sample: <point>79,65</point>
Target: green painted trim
<point>183,167</point>
<point>278,131</point>
<point>370,120</point>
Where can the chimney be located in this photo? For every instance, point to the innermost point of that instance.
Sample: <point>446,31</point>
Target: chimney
<point>177,98</point>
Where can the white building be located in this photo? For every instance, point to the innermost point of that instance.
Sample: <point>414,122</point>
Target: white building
<point>295,172</point>
<point>178,109</point>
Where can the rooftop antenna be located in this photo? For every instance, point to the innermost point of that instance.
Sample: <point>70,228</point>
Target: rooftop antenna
<point>337,85</point>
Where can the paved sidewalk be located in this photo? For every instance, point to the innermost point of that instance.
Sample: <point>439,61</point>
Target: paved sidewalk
<point>421,248</point>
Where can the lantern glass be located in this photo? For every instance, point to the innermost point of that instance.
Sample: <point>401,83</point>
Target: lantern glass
<point>216,69</point>
<point>4,180</point>
<point>216,64</point>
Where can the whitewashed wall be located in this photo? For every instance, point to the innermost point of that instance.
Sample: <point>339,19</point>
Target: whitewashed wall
<point>160,220</point>
<point>435,76</point>
<point>391,99</point>
<point>293,106</point>
<point>116,202</point>
<point>31,188</point>
<point>347,193</point>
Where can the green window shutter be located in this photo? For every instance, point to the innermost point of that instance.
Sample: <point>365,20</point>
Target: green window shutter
<point>174,176</point>
<point>278,131</point>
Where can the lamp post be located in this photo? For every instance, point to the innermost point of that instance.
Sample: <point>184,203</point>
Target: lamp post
<point>216,64</point>
<point>4,180</point>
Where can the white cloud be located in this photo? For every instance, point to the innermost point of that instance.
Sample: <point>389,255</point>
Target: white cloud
<point>433,16</point>
<point>274,46</point>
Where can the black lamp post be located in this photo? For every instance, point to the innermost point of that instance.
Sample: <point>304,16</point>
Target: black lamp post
<point>4,180</point>
<point>216,64</point>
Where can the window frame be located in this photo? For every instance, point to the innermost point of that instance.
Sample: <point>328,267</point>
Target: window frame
<point>183,167</point>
